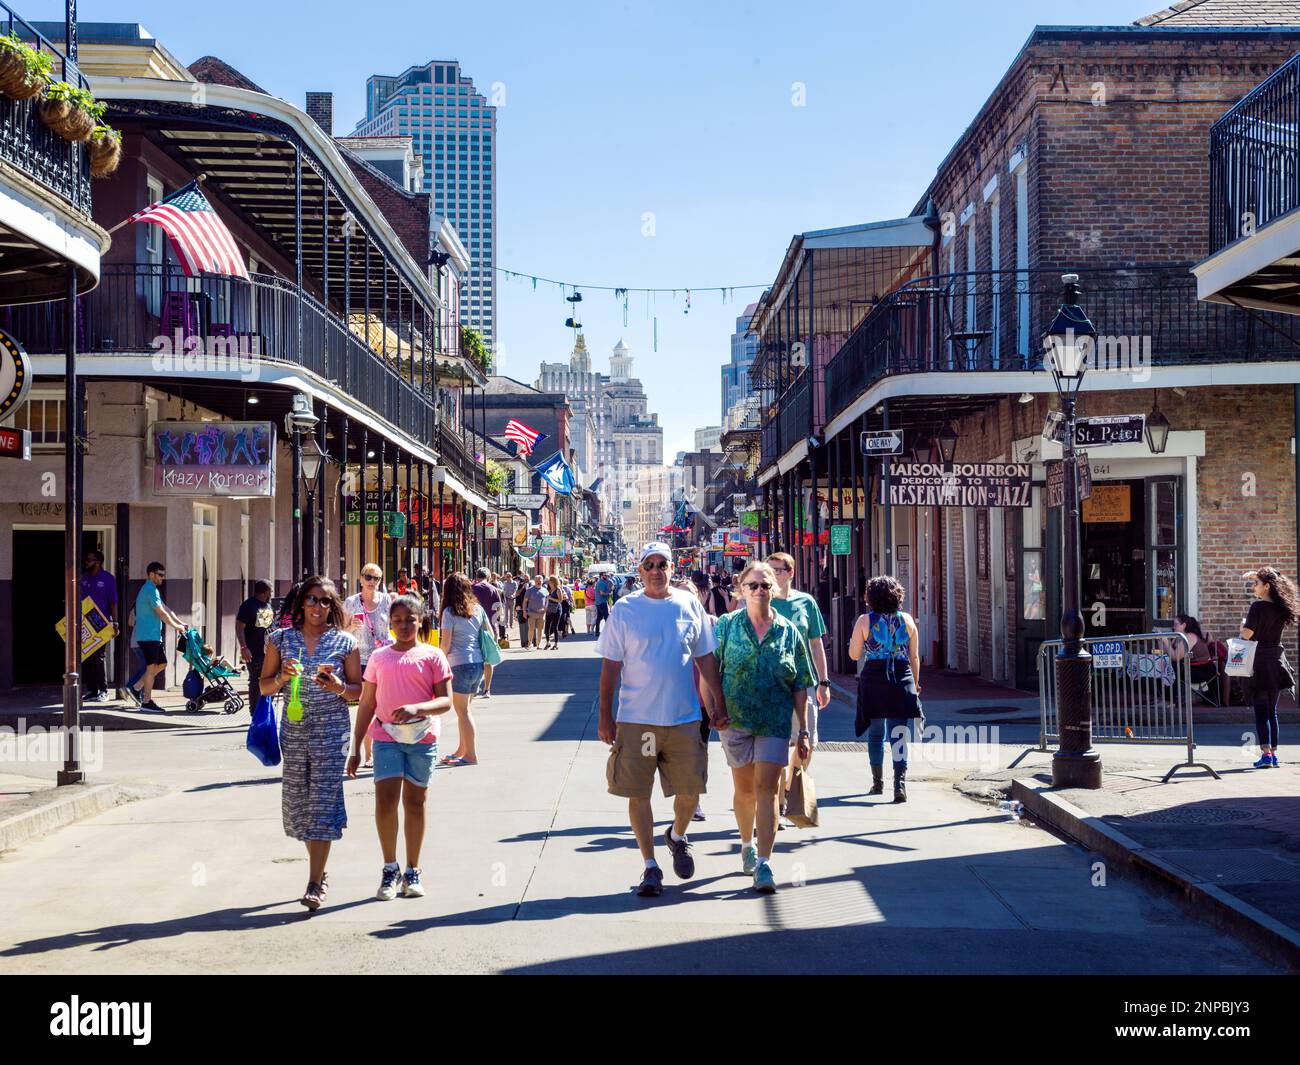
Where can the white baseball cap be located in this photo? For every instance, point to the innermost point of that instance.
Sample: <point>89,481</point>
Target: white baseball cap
<point>658,547</point>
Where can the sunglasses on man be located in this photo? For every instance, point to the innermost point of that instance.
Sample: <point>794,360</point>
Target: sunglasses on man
<point>661,564</point>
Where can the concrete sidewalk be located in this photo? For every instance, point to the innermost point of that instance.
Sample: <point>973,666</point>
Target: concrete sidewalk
<point>1230,847</point>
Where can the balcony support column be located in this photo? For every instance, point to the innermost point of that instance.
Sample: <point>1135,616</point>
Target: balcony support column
<point>320,491</point>
<point>397,503</point>
<point>442,549</point>
<point>379,525</point>
<point>71,773</point>
<point>297,256</point>
<point>888,561</point>
<point>343,510</point>
<point>325,269</point>
<point>855,556</point>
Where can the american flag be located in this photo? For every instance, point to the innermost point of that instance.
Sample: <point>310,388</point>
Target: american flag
<point>202,242</point>
<point>522,435</point>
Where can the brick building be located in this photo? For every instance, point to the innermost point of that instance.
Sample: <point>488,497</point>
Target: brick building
<point>1089,157</point>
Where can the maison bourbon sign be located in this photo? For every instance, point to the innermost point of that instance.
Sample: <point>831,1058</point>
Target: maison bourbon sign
<point>962,484</point>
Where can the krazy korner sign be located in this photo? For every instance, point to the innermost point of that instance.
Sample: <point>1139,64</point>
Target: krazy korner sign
<point>962,484</point>
<point>214,458</point>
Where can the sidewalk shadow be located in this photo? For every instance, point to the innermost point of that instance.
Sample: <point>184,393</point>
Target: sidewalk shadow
<point>251,782</point>
<point>233,919</point>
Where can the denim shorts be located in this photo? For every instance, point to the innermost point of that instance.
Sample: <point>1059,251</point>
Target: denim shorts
<point>411,761</point>
<point>466,678</point>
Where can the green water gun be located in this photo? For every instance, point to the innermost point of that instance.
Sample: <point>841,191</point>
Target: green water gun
<point>294,710</point>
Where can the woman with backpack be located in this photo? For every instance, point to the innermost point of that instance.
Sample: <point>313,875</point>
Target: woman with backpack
<point>463,622</point>
<point>1276,606</point>
<point>889,695</point>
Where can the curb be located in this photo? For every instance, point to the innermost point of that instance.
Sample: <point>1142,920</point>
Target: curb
<point>73,802</point>
<point>1264,934</point>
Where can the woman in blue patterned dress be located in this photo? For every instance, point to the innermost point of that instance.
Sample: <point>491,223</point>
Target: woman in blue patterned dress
<point>889,692</point>
<point>315,747</point>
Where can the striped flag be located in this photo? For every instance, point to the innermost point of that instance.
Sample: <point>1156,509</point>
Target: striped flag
<point>201,240</point>
<point>522,435</point>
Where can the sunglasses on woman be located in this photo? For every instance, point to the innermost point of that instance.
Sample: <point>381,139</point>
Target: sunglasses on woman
<point>755,586</point>
<point>318,600</point>
<point>370,576</point>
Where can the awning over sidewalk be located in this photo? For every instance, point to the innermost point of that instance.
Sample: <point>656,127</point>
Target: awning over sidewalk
<point>1260,271</point>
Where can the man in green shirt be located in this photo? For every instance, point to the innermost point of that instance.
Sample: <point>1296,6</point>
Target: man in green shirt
<point>802,609</point>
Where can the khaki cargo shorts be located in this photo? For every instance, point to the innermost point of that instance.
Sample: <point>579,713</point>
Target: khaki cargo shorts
<point>677,751</point>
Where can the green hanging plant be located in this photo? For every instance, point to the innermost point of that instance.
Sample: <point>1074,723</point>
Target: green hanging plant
<point>71,111</point>
<point>24,71</point>
<point>105,151</point>
<point>472,347</point>
<point>498,477</point>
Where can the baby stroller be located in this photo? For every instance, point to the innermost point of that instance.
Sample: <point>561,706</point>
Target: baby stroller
<point>207,681</point>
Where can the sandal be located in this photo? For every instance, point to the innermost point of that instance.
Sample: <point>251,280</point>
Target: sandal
<point>313,896</point>
<point>455,760</point>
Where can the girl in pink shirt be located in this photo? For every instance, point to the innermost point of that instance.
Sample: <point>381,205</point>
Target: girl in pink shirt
<point>406,687</point>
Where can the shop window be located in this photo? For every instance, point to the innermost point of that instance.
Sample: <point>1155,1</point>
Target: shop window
<point>1031,560</point>
<point>1166,570</point>
<point>42,414</point>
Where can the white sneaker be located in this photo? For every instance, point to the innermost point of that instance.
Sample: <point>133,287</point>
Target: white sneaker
<point>411,886</point>
<point>389,883</point>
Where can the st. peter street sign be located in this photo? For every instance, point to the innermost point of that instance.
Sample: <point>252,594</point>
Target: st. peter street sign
<point>1111,429</point>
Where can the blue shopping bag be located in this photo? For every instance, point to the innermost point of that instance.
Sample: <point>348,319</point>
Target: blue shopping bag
<point>262,738</point>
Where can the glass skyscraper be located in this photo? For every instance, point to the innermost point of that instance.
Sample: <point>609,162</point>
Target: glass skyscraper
<point>453,129</point>
<point>735,374</point>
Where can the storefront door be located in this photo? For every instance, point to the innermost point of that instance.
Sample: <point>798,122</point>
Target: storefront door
<point>203,610</point>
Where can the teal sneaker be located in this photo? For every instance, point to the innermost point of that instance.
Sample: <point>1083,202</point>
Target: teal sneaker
<point>764,879</point>
<point>748,859</point>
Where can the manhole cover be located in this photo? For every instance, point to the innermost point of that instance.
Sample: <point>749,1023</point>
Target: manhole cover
<point>1192,815</point>
<point>985,711</point>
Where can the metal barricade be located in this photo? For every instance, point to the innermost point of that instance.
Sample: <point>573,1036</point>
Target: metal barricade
<point>1141,693</point>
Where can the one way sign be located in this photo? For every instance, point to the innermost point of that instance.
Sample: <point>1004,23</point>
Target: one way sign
<point>888,442</point>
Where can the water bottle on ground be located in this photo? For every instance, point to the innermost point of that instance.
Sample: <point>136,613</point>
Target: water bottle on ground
<point>1011,807</point>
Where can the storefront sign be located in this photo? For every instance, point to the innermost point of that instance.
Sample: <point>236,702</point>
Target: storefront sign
<point>96,629</point>
<point>1109,502</point>
<point>16,444</point>
<point>1056,480</point>
<point>749,519</point>
<point>525,502</point>
<point>551,547</point>
<point>55,510</point>
<point>15,374</point>
<point>490,526</point>
<point>738,549</point>
<point>214,458</point>
<point>394,525</point>
<point>1112,429</point>
<point>372,517</point>
<point>841,538</point>
<point>963,484</point>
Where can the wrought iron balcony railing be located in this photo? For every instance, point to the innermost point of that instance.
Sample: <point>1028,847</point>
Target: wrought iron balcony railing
<point>29,144</point>
<point>991,322</point>
<point>456,451</point>
<point>1255,158</point>
<point>220,323</point>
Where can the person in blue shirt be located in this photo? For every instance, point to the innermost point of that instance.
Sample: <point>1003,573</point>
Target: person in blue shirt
<point>604,592</point>
<point>151,613</point>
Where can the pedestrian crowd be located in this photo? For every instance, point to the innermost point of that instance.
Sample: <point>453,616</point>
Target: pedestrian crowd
<point>742,654</point>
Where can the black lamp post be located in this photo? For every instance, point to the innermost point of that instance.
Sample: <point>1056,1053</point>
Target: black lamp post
<point>310,461</point>
<point>1068,345</point>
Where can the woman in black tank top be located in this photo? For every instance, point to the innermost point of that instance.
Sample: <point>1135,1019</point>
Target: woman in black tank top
<point>1276,606</point>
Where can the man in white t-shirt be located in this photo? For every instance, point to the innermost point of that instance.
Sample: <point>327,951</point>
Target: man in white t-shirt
<point>652,638</point>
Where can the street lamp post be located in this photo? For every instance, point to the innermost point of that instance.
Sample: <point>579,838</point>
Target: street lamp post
<point>311,460</point>
<point>300,419</point>
<point>1068,345</point>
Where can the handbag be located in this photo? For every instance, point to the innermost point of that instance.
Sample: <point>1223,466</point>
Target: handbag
<point>263,740</point>
<point>801,799</point>
<point>1241,658</point>
<point>408,731</point>
<point>487,644</point>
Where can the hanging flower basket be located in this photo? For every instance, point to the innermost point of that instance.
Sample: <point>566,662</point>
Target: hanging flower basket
<point>24,71</point>
<point>71,112</point>
<point>105,151</point>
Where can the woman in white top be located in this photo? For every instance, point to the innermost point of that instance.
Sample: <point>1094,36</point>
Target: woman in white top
<point>367,615</point>
<point>463,619</point>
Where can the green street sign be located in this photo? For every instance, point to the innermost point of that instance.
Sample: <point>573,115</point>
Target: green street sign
<point>841,536</point>
<point>394,524</point>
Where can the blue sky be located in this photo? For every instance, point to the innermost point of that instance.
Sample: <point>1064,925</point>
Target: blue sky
<point>681,110</point>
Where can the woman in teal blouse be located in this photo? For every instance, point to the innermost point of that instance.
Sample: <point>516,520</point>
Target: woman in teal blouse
<point>765,673</point>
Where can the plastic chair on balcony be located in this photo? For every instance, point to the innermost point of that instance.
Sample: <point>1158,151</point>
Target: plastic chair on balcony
<point>178,312</point>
